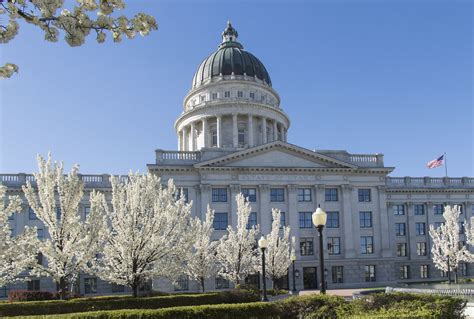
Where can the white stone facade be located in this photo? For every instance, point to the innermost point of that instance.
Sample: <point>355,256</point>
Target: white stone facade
<point>232,140</point>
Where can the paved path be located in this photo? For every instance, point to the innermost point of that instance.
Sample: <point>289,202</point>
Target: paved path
<point>346,293</point>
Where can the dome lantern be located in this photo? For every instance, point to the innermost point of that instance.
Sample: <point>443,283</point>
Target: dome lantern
<point>229,33</point>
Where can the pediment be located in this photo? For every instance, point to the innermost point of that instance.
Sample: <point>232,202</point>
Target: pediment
<point>276,155</point>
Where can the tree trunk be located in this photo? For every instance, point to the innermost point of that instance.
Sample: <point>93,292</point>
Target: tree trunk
<point>202,283</point>
<point>135,288</point>
<point>61,288</point>
<point>455,275</point>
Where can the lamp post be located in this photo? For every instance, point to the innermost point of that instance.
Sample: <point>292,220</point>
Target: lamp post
<point>262,243</point>
<point>319,220</point>
<point>293,259</point>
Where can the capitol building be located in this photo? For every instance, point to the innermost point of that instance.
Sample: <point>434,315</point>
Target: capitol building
<point>232,138</point>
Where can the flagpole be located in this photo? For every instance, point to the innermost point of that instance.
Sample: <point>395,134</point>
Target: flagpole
<point>445,165</point>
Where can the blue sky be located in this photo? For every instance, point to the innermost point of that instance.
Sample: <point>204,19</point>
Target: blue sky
<point>391,77</point>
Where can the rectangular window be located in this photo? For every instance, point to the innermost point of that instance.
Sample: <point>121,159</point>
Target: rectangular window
<point>334,245</point>
<point>420,228</point>
<point>337,274</point>
<point>462,270</point>
<point>331,195</point>
<point>421,249</point>
<point>365,219</point>
<point>332,220</point>
<point>366,245</point>
<point>116,288</point>
<point>438,209</point>
<point>461,228</point>
<point>214,137</point>
<point>370,273</point>
<point>227,94</point>
<point>90,285</point>
<point>202,98</point>
<point>364,195</point>
<point>438,224</point>
<point>250,194</point>
<point>182,284</point>
<point>424,271</point>
<point>252,222</point>
<point>399,210</point>
<point>183,192</point>
<point>282,219</point>
<point>241,136</point>
<point>400,229</point>
<point>306,220</point>
<point>404,272</point>
<point>219,195</point>
<point>252,95</point>
<point>39,259</point>
<point>11,216</point>
<point>87,211</point>
<point>240,94</point>
<point>40,233</point>
<point>419,209</point>
<point>306,246</point>
<point>222,283</point>
<point>31,214</point>
<point>277,194</point>
<point>214,96</point>
<point>401,249</point>
<point>58,213</point>
<point>304,194</point>
<point>461,210</point>
<point>33,285</point>
<point>220,221</point>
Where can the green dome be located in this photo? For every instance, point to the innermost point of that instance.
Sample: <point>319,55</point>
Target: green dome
<point>230,59</point>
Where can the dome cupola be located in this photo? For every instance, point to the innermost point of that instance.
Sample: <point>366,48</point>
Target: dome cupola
<point>231,60</point>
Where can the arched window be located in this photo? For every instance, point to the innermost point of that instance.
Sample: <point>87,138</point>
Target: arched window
<point>213,136</point>
<point>241,134</point>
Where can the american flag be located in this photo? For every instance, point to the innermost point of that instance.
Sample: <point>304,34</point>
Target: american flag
<point>436,162</point>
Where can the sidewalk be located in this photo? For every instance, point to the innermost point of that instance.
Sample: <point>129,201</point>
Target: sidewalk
<point>346,293</point>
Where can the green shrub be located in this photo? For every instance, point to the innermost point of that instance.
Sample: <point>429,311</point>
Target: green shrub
<point>27,295</point>
<point>96,304</point>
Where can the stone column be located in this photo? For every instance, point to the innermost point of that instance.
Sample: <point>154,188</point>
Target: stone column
<point>192,141</point>
<point>250,130</point>
<point>264,130</point>
<point>184,138</point>
<point>234,190</point>
<point>275,131</point>
<point>292,213</point>
<point>205,132</point>
<point>235,133</point>
<point>180,142</point>
<point>384,227</point>
<point>346,221</point>
<point>205,199</point>
<point>265,210</point>
<point>219,131</point>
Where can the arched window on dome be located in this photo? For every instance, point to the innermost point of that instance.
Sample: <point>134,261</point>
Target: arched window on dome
<point>269,134</point>
<point>241,134</point>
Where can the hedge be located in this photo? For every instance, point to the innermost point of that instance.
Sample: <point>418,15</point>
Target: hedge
<point>308,307</point>
<point>92,304</point>
<point>292,308</point>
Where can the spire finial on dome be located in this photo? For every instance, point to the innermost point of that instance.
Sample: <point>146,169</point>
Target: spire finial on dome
<point>229,34</point>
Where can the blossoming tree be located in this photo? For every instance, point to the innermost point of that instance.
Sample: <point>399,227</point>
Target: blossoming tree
<point>18,252</point>
<point>71,240</point>
<point>237,253</point>
<point>278,250</point>
<point>201,262</point>
<point>149,232</point>
<point>447,252</point>
<point>76,23</point>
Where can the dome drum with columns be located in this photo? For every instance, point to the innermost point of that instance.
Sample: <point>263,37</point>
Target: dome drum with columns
<point>231,104</point>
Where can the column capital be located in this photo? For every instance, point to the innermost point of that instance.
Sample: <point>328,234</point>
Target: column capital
<point>319,187</point>
<point>205,187</point>
<point>292,187</point>
<point>382,189</point>
<point>264,187</point>
<point>235,188</point>
<point>346,187</point>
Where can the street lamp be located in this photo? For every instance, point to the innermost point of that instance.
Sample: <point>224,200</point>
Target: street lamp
<point>319,220</point>
<point>262,243</point>
<point>293,259</point>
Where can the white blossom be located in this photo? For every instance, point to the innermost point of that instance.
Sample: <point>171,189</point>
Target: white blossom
<point>446,251</point>
<point>201,262</point>
<point>278,251</point>
<point>237,253</point>
<point>149,235</point>
<point>75,22</point>
<point>17,252</point>
<point>70,242</point>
